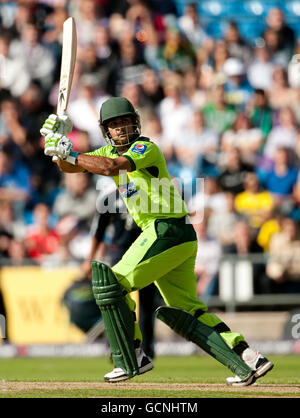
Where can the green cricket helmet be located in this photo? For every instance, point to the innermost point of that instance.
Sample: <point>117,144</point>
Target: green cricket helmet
<point>117,107</point>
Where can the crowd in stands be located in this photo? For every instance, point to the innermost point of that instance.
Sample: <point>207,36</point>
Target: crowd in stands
<point>224,109</point>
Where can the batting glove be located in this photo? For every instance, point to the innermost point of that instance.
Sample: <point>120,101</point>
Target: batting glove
<point>56,124</point>
<point>60,147</point>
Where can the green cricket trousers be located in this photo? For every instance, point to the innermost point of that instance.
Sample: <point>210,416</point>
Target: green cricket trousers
<point>165,253</point>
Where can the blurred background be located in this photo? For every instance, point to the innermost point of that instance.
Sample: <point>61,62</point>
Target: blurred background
<point>218,89</point>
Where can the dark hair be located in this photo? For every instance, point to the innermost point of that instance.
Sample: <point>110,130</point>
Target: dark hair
<point>7,150</point>
<point>260,92</point>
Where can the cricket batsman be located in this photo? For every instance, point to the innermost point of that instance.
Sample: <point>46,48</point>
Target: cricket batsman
<point>164,252</point>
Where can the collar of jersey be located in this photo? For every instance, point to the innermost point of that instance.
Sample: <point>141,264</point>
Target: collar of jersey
<point>140,138</point>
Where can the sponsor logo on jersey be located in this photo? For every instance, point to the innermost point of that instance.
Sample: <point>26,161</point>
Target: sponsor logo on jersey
<point>127,190</point>
<point>139,148</point>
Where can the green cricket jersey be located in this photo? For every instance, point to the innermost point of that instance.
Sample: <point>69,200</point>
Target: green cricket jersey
<point>147,190</point>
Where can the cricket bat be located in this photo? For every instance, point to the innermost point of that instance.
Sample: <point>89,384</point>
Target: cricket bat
<point>68,59</point>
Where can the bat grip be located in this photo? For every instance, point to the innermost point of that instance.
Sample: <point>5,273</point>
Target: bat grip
<point>59,113</point>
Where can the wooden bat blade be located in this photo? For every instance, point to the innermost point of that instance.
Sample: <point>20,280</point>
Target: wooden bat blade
<point>68,60</point>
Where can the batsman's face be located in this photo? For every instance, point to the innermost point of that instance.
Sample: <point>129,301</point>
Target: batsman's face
<point>121,129</point>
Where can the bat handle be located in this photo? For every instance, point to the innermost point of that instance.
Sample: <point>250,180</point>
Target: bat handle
<point>59,113</point>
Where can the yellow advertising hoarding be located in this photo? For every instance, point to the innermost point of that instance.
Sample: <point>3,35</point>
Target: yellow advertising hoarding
<point>32,298</point>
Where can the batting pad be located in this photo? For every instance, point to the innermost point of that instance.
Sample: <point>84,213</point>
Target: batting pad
<point>117,317</point>
<point>204,336</point>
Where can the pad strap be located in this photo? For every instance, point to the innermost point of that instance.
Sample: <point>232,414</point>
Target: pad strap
<point>117,317</point>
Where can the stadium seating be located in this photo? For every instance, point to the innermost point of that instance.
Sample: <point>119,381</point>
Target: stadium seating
<point>249,14</point>
<point>291,8</point>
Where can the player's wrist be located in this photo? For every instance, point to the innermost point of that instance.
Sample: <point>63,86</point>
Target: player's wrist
<point>72,158</point>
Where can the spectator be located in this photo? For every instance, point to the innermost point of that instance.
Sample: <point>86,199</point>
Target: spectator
<point>78,198</point>
<point>84,111</point>
<point>280,94</point>
<point>260,70</point>
<point>88,16</point>
<point>92,65</point>
<point>15,227</point>
<point>138,14</point>
<point>7,15</point>
<point>129,64</point>
<point>104,44</point>
<point>74,242</point>
<point>294,80</point>
<point>218,114</point>
<point>245,245</point>
<point>151,89</point>
<point>13,133</point>
<point>261,114</point>
<point>293,68</point>
<point>221,224</point>
<point>208,259</point>
<point>275,20</point>
<point>41,240</point>
<point>220,54</point>
<point>296,152</point>
<point>255,203</point>
<point>294,210</point>
<point>272,41</point>
<point>176,54</point>
<point>17,253</point>
<point>38,60</point>
<point>153,129</point>
<point>244,137</point>
<point>209,200</point>
<point>238,89</point>
<point>52,35</point>
<point>233,171</point>
<point>282,178</point>
<point>192,90</point>
<point>14,75</point>
<point>44,175</point>
<point>14,181</point>
<point>268,229</point>
<point>282,135</point>
<point>81,140</point>
<point>25,12</point>
<point>132,92</point>
<point>244,240</point>
<point>5,240</point>
<point>174,110</point>
<point>197,146</point>
<point>283,267</point>
<point>34,110</point>
<point>190,25</point>
<point>213,69</point>
<point>236,46</point>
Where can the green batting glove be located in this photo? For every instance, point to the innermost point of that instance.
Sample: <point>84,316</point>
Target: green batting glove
<point>56,124</point>
<point>60,147</point>
<point>51,142</point>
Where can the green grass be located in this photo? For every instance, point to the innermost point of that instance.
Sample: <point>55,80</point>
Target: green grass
<point>168,370</point>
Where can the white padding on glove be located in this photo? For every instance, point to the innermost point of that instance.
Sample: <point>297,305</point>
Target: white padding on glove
<point>56,124</point>
<point>58,145</point>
